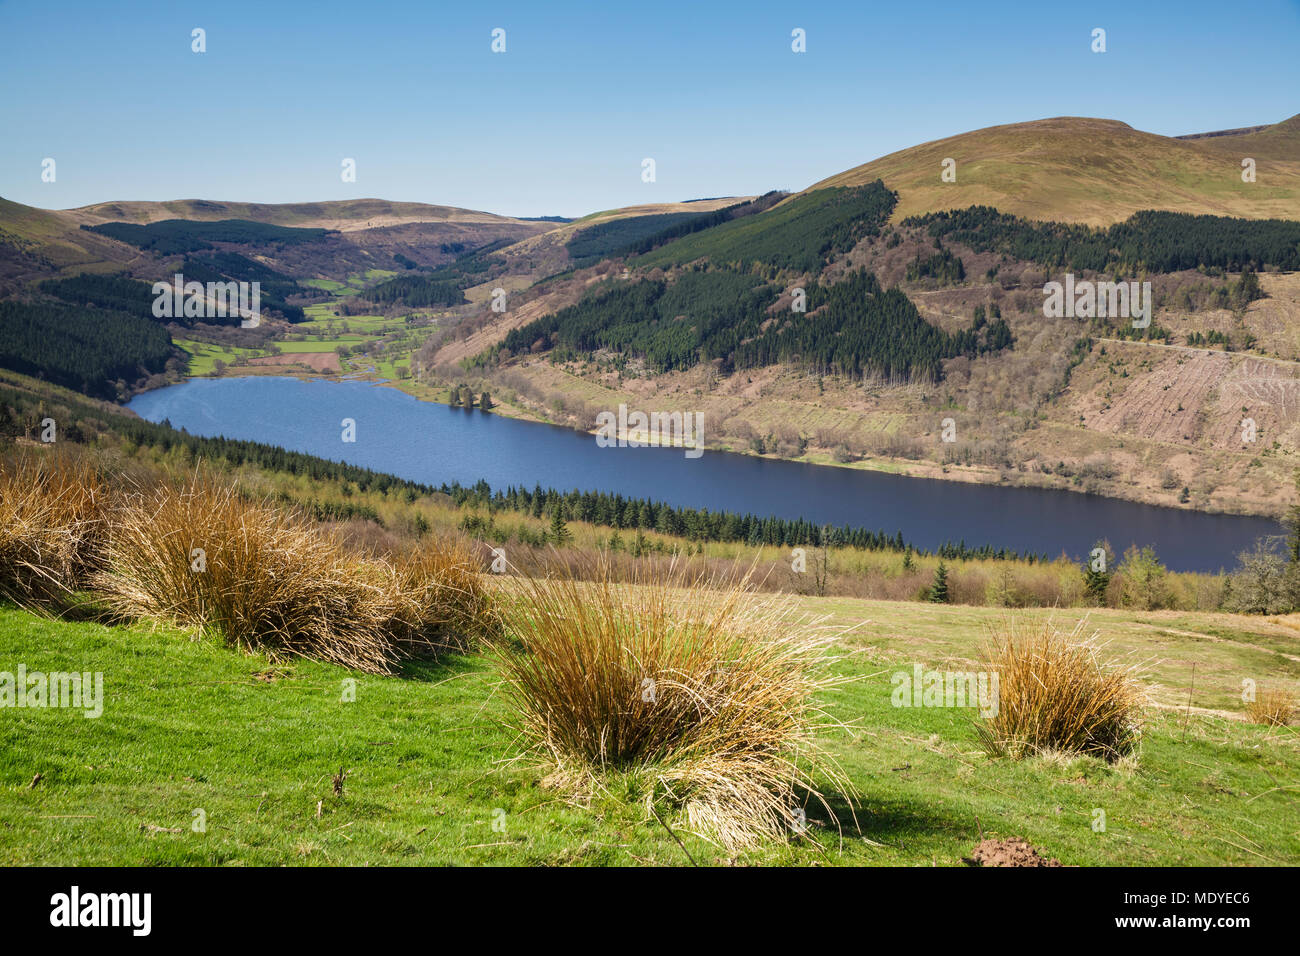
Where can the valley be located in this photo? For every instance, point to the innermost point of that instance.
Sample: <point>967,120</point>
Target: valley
<point>710,436</point>
<point>433,300</point>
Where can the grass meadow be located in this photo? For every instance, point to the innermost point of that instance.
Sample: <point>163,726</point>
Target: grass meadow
<point>365,692</point>
<point>433,774</point>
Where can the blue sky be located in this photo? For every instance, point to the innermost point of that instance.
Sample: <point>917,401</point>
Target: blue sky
<point>560,122</point>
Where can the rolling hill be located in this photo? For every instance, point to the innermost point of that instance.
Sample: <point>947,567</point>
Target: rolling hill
<point>1094,171</point>
<point>343,215</point>
<point>1047,403</point>
<point>363,234</point>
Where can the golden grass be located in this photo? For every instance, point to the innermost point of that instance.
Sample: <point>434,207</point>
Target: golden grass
<point>440,600</point>
<point>262,578</point>
<point>1056,696</point>
<point>51,524</point>
<point>700,693</point>
<point>1273,706</point>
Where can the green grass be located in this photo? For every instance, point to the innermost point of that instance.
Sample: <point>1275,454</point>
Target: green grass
<point>320,345</point>
<point>204,356</point>
<point>187,724</point>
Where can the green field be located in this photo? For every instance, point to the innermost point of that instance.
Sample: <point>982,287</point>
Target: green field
<point>204,356</point>
<point>325,331</point>
<point>189,725</point>
<point>320,345</point>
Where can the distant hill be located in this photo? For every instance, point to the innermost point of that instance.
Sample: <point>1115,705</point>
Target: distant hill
<point>1095,171</point>
<point>343,215</point>
<point>352,235</point>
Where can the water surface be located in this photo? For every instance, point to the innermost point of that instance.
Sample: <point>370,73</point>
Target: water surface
<point>429,443</point>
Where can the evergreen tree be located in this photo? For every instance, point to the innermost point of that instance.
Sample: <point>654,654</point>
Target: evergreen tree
<point>939,589</point>
<point>1096,572</point>
<point>559,530</point>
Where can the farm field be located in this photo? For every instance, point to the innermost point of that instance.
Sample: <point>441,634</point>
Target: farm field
<point>204,355</point>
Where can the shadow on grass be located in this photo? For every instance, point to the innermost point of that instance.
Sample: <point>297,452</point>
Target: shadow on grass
<point>431,668</point>
<point>898,824</point>
<point>424,664</point>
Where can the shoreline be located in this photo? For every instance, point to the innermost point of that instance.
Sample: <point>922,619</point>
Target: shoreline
<point>903,468</point>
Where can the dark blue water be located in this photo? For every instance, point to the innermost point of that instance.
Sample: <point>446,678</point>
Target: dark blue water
<point>433,444</point>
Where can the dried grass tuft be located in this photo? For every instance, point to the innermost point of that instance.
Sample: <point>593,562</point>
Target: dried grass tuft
<point>52,521</point>
<point>1273,707</point>
<point>701,691</point>
<point>1056,695</point>
<point>262,578</point>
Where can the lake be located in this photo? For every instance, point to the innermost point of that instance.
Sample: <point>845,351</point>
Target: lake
<point>433,444</point>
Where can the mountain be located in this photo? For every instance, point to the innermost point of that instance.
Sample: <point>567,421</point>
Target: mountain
<point>345,215</point>
<point>1094,171</point>
<point>910,322</point>
<point>363,234</point>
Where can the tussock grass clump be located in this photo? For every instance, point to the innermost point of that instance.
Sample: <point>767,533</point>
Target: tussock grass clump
<point>439,599</point>
<point>698,692</point>
<point>1272,706</point>
<point>262,578</point>
<point>52,509</point>
<point>1056,696</point>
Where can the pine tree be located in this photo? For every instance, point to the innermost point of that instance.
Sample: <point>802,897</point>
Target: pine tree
<point>559,530</point>
<point>1096,573</point>
<point>939,590</point>
<point>1095,583</point>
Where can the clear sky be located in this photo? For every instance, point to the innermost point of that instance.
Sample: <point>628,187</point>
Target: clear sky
<point>560,122</point>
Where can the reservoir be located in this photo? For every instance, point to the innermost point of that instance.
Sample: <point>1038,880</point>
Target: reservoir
<point>433,444</point>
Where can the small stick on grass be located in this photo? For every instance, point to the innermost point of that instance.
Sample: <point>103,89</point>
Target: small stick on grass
<point>672,834</point>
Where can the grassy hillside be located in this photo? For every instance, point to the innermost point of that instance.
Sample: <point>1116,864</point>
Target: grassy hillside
<point>1279,141</point>
<point>412,758</point>
<point>41,241</point>
<point>188,725</point>
<point>1094,171</point>
<point>343,215</point>
<point>361,235</point>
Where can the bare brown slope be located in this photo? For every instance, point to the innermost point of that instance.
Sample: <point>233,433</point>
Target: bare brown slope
<point>1094,171</point>
<point>1281,141</point>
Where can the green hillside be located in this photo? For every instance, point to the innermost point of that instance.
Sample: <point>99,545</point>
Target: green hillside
<point>799,234</point>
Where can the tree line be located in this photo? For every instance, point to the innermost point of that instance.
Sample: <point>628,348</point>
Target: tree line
<point>852,328</point>
<point>697,524</point>
<point>799,236</point>
<point>178,236</point>
<point>1150,240</point>
<point>84,349</point>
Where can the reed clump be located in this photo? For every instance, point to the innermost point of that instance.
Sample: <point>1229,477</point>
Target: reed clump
<point>702,693</point>
<point>1056,695</point>
<point>52,521</point>
<point>1272,706</point>
<point>262,578</point>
